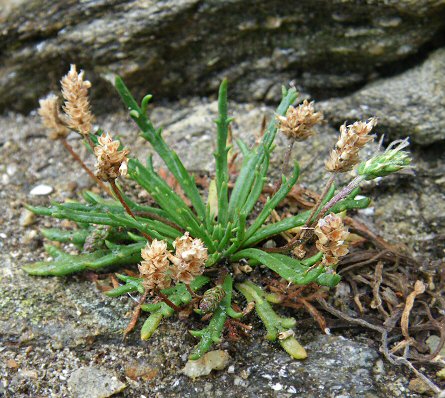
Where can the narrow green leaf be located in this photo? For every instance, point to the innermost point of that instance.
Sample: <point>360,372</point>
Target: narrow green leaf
<point>272,321</point>
<point>288,268</point>
<point>170,158</point>
<point>285,188</point>
<point>66,264</point>
<point>212,333</point>
<point>167,199</point>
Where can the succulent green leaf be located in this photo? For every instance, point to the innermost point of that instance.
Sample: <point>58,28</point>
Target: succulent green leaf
<point>288,268</point>
<point>66,264</point>
<point>178,295</point>
<point>274,323</point>
<point>221,166</point>
<point>212,333</point>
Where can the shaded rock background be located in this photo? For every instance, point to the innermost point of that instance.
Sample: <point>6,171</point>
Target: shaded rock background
<point>182,48</point>
<point>385,57</point>
<point>412,103</point>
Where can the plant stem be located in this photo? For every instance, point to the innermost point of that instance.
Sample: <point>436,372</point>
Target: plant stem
<point>341,195</point>
<point>297,240</point>
<point>89,140</point>
<point>317,205</point>
<point>70,149</point>
<point>167,301</point>
<point>127,209</point>
<point>284,166</point>
<point>190,290</point>
<point>157,217</point>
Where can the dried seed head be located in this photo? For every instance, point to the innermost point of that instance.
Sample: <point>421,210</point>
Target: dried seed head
<point>155,267</point>
<point>352,138</point>
<point>332,235</point>
<point>96,239</point>
<point>190,258</point>
<point>111,162</point>
<point>49,113</point>
<point>211,299</point>
<point>77,104</point>
<point>299,122</point>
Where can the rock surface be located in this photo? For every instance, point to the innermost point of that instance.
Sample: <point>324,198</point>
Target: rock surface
<point>410,104</point>
<point>93,382</point>
<point>52,327</point>
<point>176,48</point>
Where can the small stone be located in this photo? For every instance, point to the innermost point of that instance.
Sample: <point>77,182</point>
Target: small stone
<point>27,218</point>
<point>12,364</point>
<point>41,190</point>
<point>433,342</point>
<point>270,244</point>
<point>72,186</point>
<point>93,382</point>
<point>140,370</point>
<point>29,236</point>
<point>27,374</point>
<point>277,387</point>
<point>441,374</point>
<point>379,369</point>
<point>213,360</point>
<point>419,386</point>
<point>11,169</point>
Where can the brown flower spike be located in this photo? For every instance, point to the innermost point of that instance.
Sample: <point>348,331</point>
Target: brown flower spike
<point>352,138</point>
<point>111,162</point>
<point>299,122</point>
<point>190,258</point>
<point>155,267</point>
<point>332,235</point>
<point>77,104</point>
<point>50,115</point>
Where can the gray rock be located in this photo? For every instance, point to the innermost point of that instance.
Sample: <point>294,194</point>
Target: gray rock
<point>176,48</point>
<point>93,382</point>
<point>410,104</point>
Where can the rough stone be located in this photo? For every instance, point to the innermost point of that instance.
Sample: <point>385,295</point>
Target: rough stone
<point>176,48</point>
<point>93,382</point>
<point>410,104</point>
<point>212,360</point>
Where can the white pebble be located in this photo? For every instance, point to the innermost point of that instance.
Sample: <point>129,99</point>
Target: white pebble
<point>277,387</point>
<point>41,190</point>
<point>27,218</point>
<point>217,360</point>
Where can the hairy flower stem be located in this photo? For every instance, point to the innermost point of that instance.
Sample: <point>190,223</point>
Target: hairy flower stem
<point>157,217</point>
<point>70,149</point>
<point>127,209</point>
<point>300,239</point>
<point>88,139</point>
<point>167,301</point>
<point>317,205</point>
<point>341,195</point>
<point>284,165</point>
<point>190,290</point>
